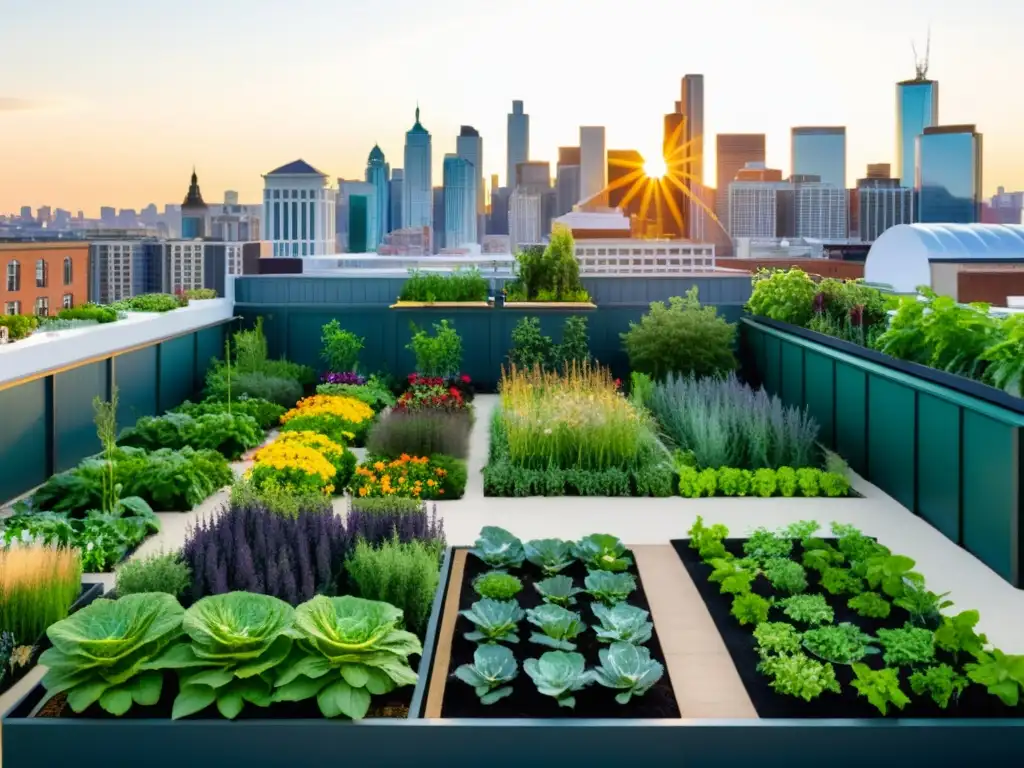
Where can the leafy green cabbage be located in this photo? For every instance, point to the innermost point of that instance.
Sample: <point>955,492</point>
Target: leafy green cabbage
<point>609,588</point>
<point>550,555</point>
<point>628,668</point>
<point>496,620</point>
<point>622,623</point>
<point>498,548</point>
<point>558,590</point>
<point>559,674</point>
<point>492,667</point>
<point>559,626</point>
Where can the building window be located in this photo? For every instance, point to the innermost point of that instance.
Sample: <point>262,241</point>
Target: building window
<point>68,273</point>
<point>14,275</point>
<point>42,306</point>
<point>41,273</point>
<point>13,308</point>
<point>68,302</point>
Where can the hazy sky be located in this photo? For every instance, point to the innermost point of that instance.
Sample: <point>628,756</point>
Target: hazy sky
<point>112,101</point>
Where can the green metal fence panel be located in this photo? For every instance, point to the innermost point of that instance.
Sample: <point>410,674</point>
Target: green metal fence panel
<point>135,375</point>
<point>791,366</point>
<point>851,415</point>
<point>74,427</point>
<point>209,344</point>
<point>892,438</point>
<point>819,394</point>
<point>938,464</point>
<point>177,371</point>
<point>24,439</point>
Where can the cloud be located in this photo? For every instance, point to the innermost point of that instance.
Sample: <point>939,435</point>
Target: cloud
<point>11,104</point>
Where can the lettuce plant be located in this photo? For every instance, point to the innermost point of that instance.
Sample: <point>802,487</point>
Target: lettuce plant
<point>881,687</point>
<point>495,620</point>
<point>764,545</point>
<point>841,581</point>
<point>558,590</point>
<point>800,676</point>
<point>941,682</point>
<point>627,668</point>
<point>776,638</point>
<point>708,541</point>
<point>839,643</point>
<point>558,626</point>
<point>786,575</point>
<point>498,548</point>
<point>956,634</point>
<point>1000,673</point>
<point>550,555</point>
<point>907,646</point>
<point>107,652</point>
<point>493,666</point>
<point>237,641</point>
<point>750,609</point>
<point>602,552</point>
<point>348,650</point>
<point>559,674</point>
<point>622,623</point>
<point>609,588</point>
<point>871,605</point>
<point>820,555</point>
<point>807,609</point>
<point>497,585</point>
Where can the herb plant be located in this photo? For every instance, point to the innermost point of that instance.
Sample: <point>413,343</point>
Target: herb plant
<point>627,668</point>
<point>764,545</point>
<point>870,605</point>
<point>807,609</point>
<point>820,556</point>
<point>402,573</point>
<point>838,643</point>
<point>923,605</point>
<point>609,588</point>
<point>881,687</point>
<point>708,541</point>
<point>750,609</point>
<point>496,621</point>
<point>550,555</point>
<point>497,585</point>
<point>622,623</point>
<point>559,674</point>
<point>940,682</point>
<point>776,638</point>
<point>341,348</point>
<point>492,669</point>
<point>603,552</point>
<point>1000,673</point>
<point>893,573</point>
<point>786,575</point>
<point>840,581</point>
<point>907,646</point>
<point>558,590</point>
<point>156,573</point>
<point>558,626</point>
<point>498,548</point>
<point>956,635</point>
<point>800,676</point>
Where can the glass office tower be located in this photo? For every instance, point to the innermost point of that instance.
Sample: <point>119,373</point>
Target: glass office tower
<point>917,108</point>
<point>820,151</point>
<point>948,185</point>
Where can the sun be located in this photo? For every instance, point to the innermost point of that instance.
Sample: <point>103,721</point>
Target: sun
<point>655,167</point>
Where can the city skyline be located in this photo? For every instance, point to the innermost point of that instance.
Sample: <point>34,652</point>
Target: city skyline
<point>81,129</point>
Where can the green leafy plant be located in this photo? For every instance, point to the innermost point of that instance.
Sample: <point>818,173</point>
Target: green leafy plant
<point>609,588</point>
<point>708,541</point>
<point>496,621</point>
<point>800,676</point>
<point>439,354</point>
<point>734,576</point>
<point>341,348</point>
<point>786,295</point>
<point>550,555</point>
<point>404,574</point>
<point>750,609</point>
<point>497,585</point>
<point>839,643</point>
<point>840,581</point>
<point>733,481</point>
<point>870,605</point>
<point>622,623</point>
<point>923,605</point>
<point>549,274</point>
<point>558,590</point>
<point>764,545</point>
<point>530,347</point>
<point>881,687</point>
<point>238,640</point>
<point>230,434</point>
<point>602,551</point>
<point>940,682</point>
<point>807,609</point>
<point>459,285</point>
<point>775,638</point>
<point>558,626</point>
<point>786,576</point>
<point>575,347</point>
<point>498,548</point>
<point>266,413</point>
<point>150,302</point>
<point>348,650</point>
<point>820,556</point>
<point>1002,674</point>
<point>893,573</point>
<point>956,635</point>
<point>558,674</point>
<point>106,652</point>
<point>627,668</point>
<point>802,530</point>
<point>157,573</point>
<point>492,669</point>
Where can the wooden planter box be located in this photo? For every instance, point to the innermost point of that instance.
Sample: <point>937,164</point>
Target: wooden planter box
<point>575,306</point>
<point>440,304</point>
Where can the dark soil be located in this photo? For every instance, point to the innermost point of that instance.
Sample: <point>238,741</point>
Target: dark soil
<point>594,701</point>
<point>975,702</point>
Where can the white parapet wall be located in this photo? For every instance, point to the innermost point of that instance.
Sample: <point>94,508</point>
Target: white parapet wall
<point>44,351</point>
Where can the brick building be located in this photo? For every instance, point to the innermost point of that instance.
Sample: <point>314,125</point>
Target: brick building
<point>43,278</point>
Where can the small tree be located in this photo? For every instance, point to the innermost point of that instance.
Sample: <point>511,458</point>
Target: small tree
<point>575,346</point>
<point>437,355</point>
<point>341,348</point>
<point>563,271</point>
<point>530,347</point>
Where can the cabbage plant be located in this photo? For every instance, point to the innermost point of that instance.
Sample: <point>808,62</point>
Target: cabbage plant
<point>550,555</point>
<point>106,652</point>
<point>492,667</point>
<point>559,674</point>
<point>348,650</point>
<point>628,668</point>
<point>496,621</point>
<point>602,552</point>
<point>498,548</point>
<point>558,626</point>
<point>609,588</point>
<point>238,640</point>
<point>622,623</point>
<point>558,590</point>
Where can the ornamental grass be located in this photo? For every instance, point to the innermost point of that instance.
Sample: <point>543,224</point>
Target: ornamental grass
<point>293,465</point>
<point>38,585</point>
<point>575,420</point>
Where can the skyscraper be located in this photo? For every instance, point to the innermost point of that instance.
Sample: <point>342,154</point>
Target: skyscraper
<point>518,141</point>
<point>416,189</point>
<point>683,148</point>
<point>917,108</point>
<point>377,174</point>
<point>820,151</point>
<point>948,187</point>
<point>395,187</point>
<point>195,215</point>
<point>459,201</point>
<point>622,163</point>
<point>593,165</point>
<point>567,180</point>
<point>470,147</point>
<point>356,217</point>
<point>734,151</point>
<point>881,203</point>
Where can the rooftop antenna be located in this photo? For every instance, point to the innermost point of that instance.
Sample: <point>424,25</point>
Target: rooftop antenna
<point>921,65</point>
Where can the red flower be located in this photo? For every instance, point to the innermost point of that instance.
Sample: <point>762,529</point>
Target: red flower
<point>618,383</point>
<point>465,379</point>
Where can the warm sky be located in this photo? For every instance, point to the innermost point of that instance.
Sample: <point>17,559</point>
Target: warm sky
<point>112,101</point>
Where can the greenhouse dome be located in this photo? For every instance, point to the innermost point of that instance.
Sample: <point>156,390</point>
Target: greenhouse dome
<point>902,256</point>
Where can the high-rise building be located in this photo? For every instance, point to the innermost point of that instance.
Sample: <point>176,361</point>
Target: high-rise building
<point>820,151</point>
<point>754,209</point>
<point>378,175</point>
<point>917,108</point>
<point>525,219</point>
<point>356,217</point>
<point>299,211</point>
<point>417,186</point>
<point>1007,207</point>
<point>235,223</point>
<point>820,210</point>
<point>593,165</point>
<point>395,199</point>
<point>683,149</point>
<point>518,141</point>
<point>881,203</point>
<point>623,163</point>
<point>534,176</point>
<point>108,215</point>
<point>567,180</point>
<point>948,187</point>
<point>120,269</point>
<point>436,228</point>
<point>497,222</point>
<point>460,186</point>
<point>470,147</point>
<point>734,151</point>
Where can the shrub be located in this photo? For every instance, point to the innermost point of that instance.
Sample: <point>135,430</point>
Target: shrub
<point>725,423</point>
<point>266,413</point>
<point>156,573</point>
<point>19,326</point>
<point>438,355</point>
<point>405,575</point>
<point>431,393</point>
<point>458,285</point>
<point>199,294</point>
<point>38,584</point>
<point>551,273</point>
<point>251,549</point>
<point>229,434</point>
<point>92,312</point>
<point>417,477</point>
<point>253,384</point>
<point>421,433</point>
<point>341,348</point>
<point>786,295</point>
<point>278,498</point>
<point>683,338</point>
<point>293,465</point>
<point>150,302</point>
<point>532,348</point>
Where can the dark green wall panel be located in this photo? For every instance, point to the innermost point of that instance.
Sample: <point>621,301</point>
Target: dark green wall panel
<point>74,428</point>
<point>23,437</point>
<point>938,464</point>
<point>792,375</point>
<point>891,437</point>
<point>990,492</point>
<point>819,384</point>
<point>209,346</point>
<point>177,371</point>
<point>135,376</point>
<point>851,416</point>
<point>771,376</point>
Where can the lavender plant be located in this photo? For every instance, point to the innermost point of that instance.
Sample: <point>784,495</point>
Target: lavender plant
<point>379,523</point>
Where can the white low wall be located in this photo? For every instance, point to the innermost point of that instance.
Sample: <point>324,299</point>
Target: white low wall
<point>59,349</point>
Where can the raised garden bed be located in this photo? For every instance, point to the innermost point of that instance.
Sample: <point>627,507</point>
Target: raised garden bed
<point>439,304</point>
<point>566,305</point>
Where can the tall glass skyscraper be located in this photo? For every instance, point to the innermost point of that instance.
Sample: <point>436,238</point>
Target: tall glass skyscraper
<point>948,185</point>
<point>417,189</point>
<point>459,201</point>
<point>378,174</point>
<point>518,141</point>
<point>917,108</point>
<point>470,147</point>
<point>820,151</point>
